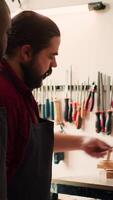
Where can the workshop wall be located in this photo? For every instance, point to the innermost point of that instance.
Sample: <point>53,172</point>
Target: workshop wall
<point>87,46</point>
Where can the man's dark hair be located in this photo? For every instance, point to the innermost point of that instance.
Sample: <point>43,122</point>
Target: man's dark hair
<point>31,28</point>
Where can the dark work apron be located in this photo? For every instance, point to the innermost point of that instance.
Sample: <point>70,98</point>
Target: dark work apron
<point>33,177</point>
<point>3,150</point>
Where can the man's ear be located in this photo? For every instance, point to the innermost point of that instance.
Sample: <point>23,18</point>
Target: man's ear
<point>26,53</point>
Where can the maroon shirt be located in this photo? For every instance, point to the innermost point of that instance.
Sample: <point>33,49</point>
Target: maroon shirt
<point>21,107</point>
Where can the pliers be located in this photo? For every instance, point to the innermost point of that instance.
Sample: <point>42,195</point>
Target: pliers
<point>91,98</point>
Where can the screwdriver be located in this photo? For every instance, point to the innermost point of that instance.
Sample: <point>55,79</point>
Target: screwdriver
<point>87,94</point>
<point>83,111</point>
<point>39,100</point>
<point>108,125</point>
<point>112,95</point>
<point>78,117</point>
<point>102,105</point>
<point>98,122</point>
<point>57,109</point>
<point>66,100</point>
<point>51,103</point>
<point>74,113</point>
<point>43,104</point>
<point>70,102</point>
<point>47,103</point>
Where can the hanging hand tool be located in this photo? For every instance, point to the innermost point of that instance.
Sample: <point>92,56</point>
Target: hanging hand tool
<point>59,121</point>
<point>74,113</point>
<point>105,90</point>
<point>51,103</point>
<point>87,87</point>
<point>43,103</point>
<point>112,95</point>
<point>57,109</point>
<point>87,95</point>
<point>83,111</point>
<point>47,103</point>
<point>102,106</point>
<point>70,101</point>
<point>91,98</point>
<point>37,95</point>
<point>108,125</point>
<point>78,117</point>
<point>39,100</point>
<point>98,122</point>
<point>66,100</point>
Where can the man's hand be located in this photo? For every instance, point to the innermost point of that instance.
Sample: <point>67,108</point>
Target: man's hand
<point>96,148</point>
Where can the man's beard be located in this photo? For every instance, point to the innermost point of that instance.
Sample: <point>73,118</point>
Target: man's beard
<point>31,79</point>
<point>1,51</point>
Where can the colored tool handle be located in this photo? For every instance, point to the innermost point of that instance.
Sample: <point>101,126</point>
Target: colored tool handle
<point>70,112</point>
<point>92,100</point>
<point>57,111</point>
<point>47,109</point>
<point>43,111</point>
<point>51,110</point>
<point>103,121</point>
<point>74,114</point>
<point>39,108</point>
<point>66,109</point>
<point>98,122</point>
<point>58,157</point>
<point>87,101</point>
<point>108,126</point>
<point>78,120</point>
<point>83,111</point>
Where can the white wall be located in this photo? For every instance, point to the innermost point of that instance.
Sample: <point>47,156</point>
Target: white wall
<point>44,4</point>
<point>87,45</point>
<point>87,41</point>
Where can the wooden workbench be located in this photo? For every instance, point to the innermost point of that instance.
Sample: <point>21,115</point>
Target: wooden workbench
<point>95,187</point>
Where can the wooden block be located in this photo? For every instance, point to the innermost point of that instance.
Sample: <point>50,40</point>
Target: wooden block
<point>105,164</point>
<point>109,174</point>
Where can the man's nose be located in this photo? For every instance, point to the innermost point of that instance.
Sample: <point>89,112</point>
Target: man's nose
<point>53,63</point>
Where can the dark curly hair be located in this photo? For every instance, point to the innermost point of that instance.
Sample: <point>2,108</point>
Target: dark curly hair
<point>29,27</point>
